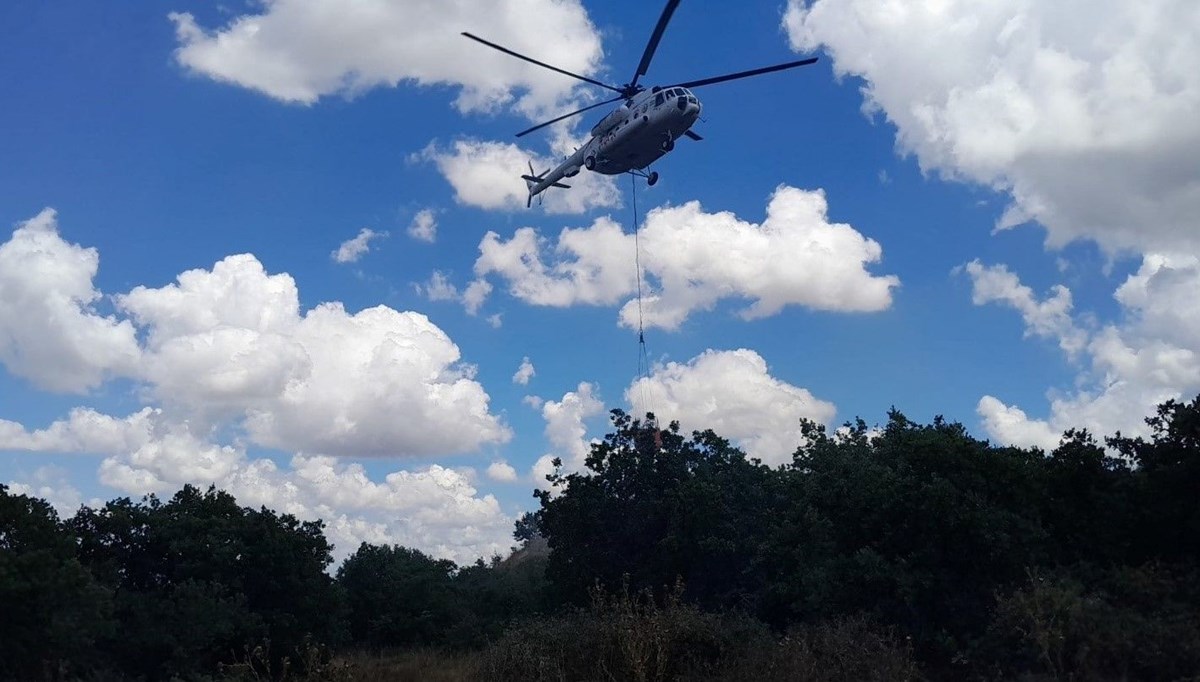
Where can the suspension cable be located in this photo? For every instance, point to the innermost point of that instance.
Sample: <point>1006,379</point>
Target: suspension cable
<point>643,356</point>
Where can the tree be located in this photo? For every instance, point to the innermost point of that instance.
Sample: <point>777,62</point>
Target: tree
<point>199,578</point>
<point>398,596</point>
<point>918,525</point>
<point>653,507</point>
<point>1167,479</point>
<point>53,610</point>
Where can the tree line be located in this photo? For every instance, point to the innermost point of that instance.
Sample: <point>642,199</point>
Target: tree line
<point>909,550</point>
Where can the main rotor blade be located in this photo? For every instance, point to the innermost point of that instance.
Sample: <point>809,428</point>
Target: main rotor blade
<point>564,116</point>
<point>531,60</point>
<point>742,74</point>
<point>652,45</point>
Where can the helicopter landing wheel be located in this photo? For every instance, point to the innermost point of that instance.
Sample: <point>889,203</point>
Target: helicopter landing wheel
<point>668,144</point>
<point>590,163</point>
<point>652,178</point>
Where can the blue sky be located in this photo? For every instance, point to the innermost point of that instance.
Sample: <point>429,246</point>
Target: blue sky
<point>985,213</point>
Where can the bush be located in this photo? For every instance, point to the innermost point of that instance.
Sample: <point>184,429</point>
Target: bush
<point>636,637</point>
<point>1097,624</point>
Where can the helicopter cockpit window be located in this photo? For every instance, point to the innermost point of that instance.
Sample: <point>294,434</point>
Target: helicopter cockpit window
<point>658,100</point>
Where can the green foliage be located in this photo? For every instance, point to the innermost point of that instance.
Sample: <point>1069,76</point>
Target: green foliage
<point>918,525</point>
<point>653,507</point>
<point>1094,623</point>
<point>873,551</point>
<point>398,596</point>
<point>198,577</point>
<point>636,637</point>
<point>1168,477</point>
<point>53,611</point>
<point>921,526</point>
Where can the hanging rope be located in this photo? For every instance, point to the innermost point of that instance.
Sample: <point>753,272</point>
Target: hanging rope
<point>643,356</point>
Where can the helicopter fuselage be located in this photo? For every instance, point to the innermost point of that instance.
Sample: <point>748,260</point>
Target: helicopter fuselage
<point>630,137</point>
<point>642,130</point>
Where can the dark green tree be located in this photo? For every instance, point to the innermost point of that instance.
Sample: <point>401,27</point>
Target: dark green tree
<point>1167,480</point>
<point>197,579</point>
<point>1086,502</point>
<point>918,525</point>
<point>53,611</point>
<point>654,507</point>
<point>399,597</point>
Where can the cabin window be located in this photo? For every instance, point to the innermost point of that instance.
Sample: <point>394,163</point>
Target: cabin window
<point>658,100</point>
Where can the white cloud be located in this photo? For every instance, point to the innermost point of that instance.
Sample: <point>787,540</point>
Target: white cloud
<point>734,394</point>
<point>84,431</point>
<point>352,249</point>
<point>1014,427</point>
<point>439,288</point>
<point>1150,355</point>
<point>496,320</point>
<point>567,431</point>
<point>1087,114</point>
<point>795,257</point>
<point>475,295</point>
<point>50,484</point>
<point>488,175</point>
<point>524,373</point>
<point>329,381</point>
<point>423,227</point>
<point>301,50</point>
<point>52,334</point>
<point>229,345</point>
<point>435,508</point>
<point>1050,318</point>
<point>502,471</point>
<point>228,362</point>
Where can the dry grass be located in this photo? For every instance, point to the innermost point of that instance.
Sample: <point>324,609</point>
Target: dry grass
<point>418,665</point>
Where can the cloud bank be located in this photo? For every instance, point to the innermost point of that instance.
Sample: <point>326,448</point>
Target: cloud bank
<point>694,259</point>
<point>1086,114</point>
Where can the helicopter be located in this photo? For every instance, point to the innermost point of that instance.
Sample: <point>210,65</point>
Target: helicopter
<point>638,132</point>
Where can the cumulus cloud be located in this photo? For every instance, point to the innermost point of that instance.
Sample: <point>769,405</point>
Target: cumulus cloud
<point>693,259</point>
<point>230,346</point>
<point>487,175</point>
<point>329,381</point>
<point>301,50</point>
<point>434,508</point>
<point>50,484</point>
<point>439,288</point>
<point>566,429</point>
<point>502,472</point>
<point>228,361</point>
<point>1151,354</point>
<point>474,297</point>
<point>84,431</point>
<point>1050,318</point>
<point>52,334</point>
<point>734,394</point>
<point>1086,114</point>
<point>352,249</point>
<point>524,373</point>
<point>423,227</point>
<point>1010,424</point>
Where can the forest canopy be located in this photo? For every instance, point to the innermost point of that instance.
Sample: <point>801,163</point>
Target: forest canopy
<point>957,557</point>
